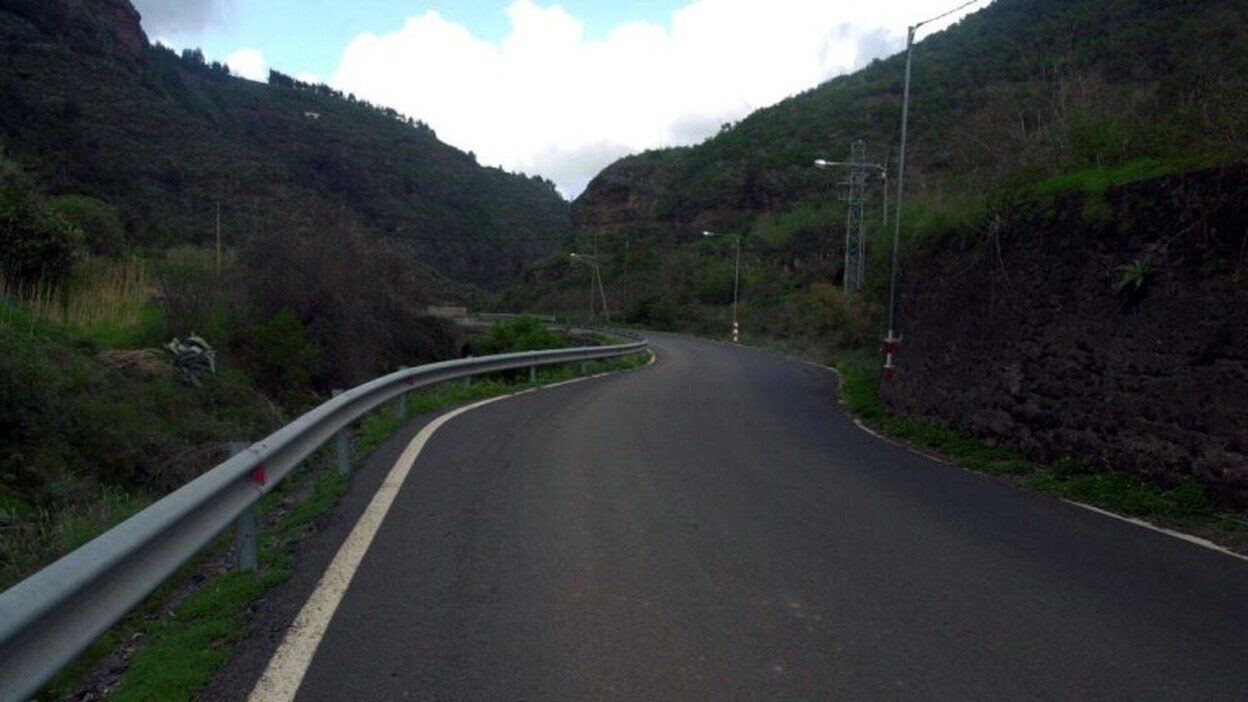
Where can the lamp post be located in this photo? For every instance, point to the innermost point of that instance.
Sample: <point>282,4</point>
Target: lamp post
<point>893,339</point>
<point>736,284</point>
<point>595,273</point>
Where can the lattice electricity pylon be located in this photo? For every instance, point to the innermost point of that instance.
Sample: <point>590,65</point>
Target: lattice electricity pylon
<point>855,222</point>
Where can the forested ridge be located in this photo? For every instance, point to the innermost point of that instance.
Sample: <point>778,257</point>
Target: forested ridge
<point>90,107</point>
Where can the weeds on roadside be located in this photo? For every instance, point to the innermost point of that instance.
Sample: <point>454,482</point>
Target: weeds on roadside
<point>1186,504</point>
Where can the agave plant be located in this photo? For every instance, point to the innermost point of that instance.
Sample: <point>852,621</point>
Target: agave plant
<point>1133,276</point>
<point>193,358</point>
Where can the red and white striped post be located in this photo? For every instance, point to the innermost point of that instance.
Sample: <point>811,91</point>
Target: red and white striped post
<point>890,347</point>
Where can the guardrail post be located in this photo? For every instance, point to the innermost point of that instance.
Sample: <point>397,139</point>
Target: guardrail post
<point>342,446</point>
<point>532,374</point>
<point>244,526</point>
<point>584,367</point>
<point>400,403</point>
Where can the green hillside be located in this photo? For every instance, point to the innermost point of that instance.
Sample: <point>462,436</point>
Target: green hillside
<point>1022,98</point>
<point>89,107</point>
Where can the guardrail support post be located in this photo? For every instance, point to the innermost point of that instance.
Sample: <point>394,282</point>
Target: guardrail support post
<point>584,368</point>
<point>400,403</point>
<point>244,526</point>
<point>342,447</point>
<point>532,374</point>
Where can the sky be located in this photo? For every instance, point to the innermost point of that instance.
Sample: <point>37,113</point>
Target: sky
<point>556,89</point>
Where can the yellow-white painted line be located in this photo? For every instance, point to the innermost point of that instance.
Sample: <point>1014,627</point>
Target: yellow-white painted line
<point>285,672</point>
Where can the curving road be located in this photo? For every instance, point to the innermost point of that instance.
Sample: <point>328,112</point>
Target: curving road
<point>714,528</point>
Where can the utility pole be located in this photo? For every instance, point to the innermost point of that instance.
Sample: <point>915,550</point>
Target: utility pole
<point>855,222</point>
<point>736,283</point>
<point>218,238</point>
<point>894,339</point>
<point>855,216</point>
<point>626,304</point>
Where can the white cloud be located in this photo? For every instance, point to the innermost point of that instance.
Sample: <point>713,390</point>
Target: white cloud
<point>248,63</point>
<point>182,18</point>
<point>547,100</point>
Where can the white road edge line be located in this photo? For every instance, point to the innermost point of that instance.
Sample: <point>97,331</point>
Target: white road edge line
<point>284,674</point>
<point>1160,529</point>
<point>1144,524</point>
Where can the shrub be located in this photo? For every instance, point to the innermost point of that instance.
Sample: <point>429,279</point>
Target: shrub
<point>196,297</point>
<point>520,334</point>
<point>285,356</point>
<point>102,230</point>
<point>36,243</point>
<point>32,413</point>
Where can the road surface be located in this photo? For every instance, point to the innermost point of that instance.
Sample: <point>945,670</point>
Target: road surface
<point>715,528</point>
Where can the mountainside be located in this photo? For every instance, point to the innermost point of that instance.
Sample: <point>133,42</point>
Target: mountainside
<point>89,106</point>
<point>1018,91</point>
<point>1023,96</point>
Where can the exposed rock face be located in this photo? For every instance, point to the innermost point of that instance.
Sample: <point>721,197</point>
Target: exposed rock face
<point>625,193</point>
<point>126,24</point>
<point>1023,337</point>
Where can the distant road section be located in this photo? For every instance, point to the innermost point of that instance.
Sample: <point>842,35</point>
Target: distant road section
<point>715,528</point>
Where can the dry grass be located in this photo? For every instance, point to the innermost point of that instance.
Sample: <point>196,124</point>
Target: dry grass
<point>103,295</point>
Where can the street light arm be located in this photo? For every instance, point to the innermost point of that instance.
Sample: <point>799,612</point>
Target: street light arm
<point>941,16</point>
<point>821,163</point>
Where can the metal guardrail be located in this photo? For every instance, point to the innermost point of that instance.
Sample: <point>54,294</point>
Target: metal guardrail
<point>53,615</point>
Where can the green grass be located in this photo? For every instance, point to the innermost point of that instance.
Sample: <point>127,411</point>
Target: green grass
<point>184,650</point>
<point>39,535</point>
<point>1186,504</point>
<point>1101,178</point>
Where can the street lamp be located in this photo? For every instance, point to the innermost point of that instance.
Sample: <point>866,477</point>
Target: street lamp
<point>891,341</point>
<point>820,163</point>
<point>855,225</point>
<point>595,273</point>
<point>736,284</point>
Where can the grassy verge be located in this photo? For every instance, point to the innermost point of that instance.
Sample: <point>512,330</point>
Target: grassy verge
<point>1185,505</point>
<point>183,648</point>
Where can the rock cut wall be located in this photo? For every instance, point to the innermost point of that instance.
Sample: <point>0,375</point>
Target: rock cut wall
<point>1037,334</point>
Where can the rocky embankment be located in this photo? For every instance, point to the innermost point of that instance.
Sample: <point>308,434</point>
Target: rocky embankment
<point>1112,327</point>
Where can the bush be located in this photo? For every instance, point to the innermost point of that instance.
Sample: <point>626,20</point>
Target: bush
<point>361,302</point>
<point>32,414</point>
<point>285,356</point>
<point>36,243</point>
<point>520,334</point>
<point>198,298</point>
<point>101,226</point>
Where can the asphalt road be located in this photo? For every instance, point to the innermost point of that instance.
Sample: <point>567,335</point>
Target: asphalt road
<point>715,528</point>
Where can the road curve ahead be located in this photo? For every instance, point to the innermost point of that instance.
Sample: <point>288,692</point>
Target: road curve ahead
<point>714,528</point>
